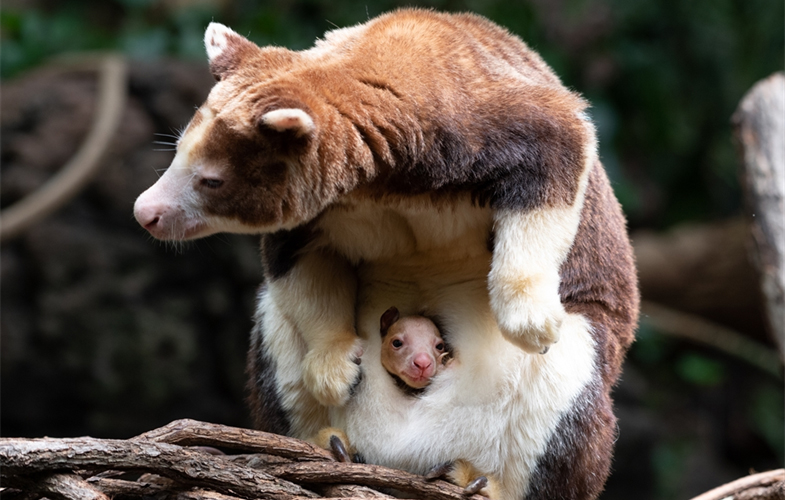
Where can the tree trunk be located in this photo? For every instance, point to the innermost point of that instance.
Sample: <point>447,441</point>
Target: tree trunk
<point>760,134</point>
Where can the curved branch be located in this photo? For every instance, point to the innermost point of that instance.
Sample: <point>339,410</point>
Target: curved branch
<point>187,432</point>
<point>85,163</point>
<point>772,480</point>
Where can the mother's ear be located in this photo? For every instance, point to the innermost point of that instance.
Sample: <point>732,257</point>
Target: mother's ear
<point>288,119</point>
<point>226,49</point>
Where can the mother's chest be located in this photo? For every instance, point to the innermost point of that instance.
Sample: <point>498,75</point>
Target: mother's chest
<point>409,228</point>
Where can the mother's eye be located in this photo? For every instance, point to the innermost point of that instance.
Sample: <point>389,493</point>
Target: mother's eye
<point>212,183</point>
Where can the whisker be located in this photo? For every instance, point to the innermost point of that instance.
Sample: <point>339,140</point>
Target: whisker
<point>167,135</point>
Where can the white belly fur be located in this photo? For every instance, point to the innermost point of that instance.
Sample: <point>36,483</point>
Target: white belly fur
<point>495,405</point>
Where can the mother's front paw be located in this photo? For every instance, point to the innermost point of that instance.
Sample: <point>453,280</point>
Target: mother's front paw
<point>330,373</point>
<point>530,317</point>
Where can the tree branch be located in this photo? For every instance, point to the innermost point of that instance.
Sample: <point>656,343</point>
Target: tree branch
<point>764,486</point>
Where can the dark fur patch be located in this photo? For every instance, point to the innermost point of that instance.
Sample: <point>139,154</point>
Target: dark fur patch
<point>406,388</point>
<point>280,250</point>
<point>577,459</point>
<point>444,332</point>
<point>598,282</point>
<point>263,398</point>
<point>598,279</point>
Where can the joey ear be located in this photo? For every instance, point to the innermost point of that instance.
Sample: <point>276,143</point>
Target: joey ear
<point>389,317</point>
<point>292,119</point>
<point>226,49</point>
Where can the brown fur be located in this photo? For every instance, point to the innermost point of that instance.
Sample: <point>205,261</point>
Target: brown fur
<point>405,124</point>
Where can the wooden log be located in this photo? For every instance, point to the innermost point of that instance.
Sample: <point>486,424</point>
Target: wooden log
<point>175,472</point>
<point>759,124</point>
<point>23,457</point>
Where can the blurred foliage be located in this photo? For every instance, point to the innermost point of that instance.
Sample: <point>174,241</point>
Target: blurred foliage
<point>707,404</point>
<point>664,76</point>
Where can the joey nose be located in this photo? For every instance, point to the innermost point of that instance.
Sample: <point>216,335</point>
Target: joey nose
<point>422,361</point>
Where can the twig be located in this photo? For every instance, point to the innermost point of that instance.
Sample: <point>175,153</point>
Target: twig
<point>85,163</point>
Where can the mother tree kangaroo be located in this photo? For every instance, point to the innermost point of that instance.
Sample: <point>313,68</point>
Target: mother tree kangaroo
<point>431,162</point>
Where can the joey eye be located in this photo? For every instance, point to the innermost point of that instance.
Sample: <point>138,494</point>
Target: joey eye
<point>212,183</point>
<point>440,346</point>
<point>397,343</point>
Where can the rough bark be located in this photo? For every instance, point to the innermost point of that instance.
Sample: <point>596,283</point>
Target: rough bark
<point>188,432</point>
<point>286,468</point>
<point>24,457</point>
<point>764,486</point>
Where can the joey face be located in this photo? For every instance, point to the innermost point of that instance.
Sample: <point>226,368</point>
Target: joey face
<point>412,349</point>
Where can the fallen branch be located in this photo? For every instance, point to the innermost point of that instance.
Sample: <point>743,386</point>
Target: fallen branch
<point>285,468</point>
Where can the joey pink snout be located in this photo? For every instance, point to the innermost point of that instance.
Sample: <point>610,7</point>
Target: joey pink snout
<point>422,361</point>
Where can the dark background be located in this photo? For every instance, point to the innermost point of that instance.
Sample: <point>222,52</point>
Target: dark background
<point>108,333</point>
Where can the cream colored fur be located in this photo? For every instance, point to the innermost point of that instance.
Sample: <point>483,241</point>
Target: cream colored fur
<point>495,406</point>
<point>529,250</point>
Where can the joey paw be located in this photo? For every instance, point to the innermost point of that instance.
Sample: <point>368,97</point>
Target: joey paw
<point>439,471</point>
<point>339,449</point>
<point>332,374</point>
<point>475,486</point>
<point>463,474</point>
